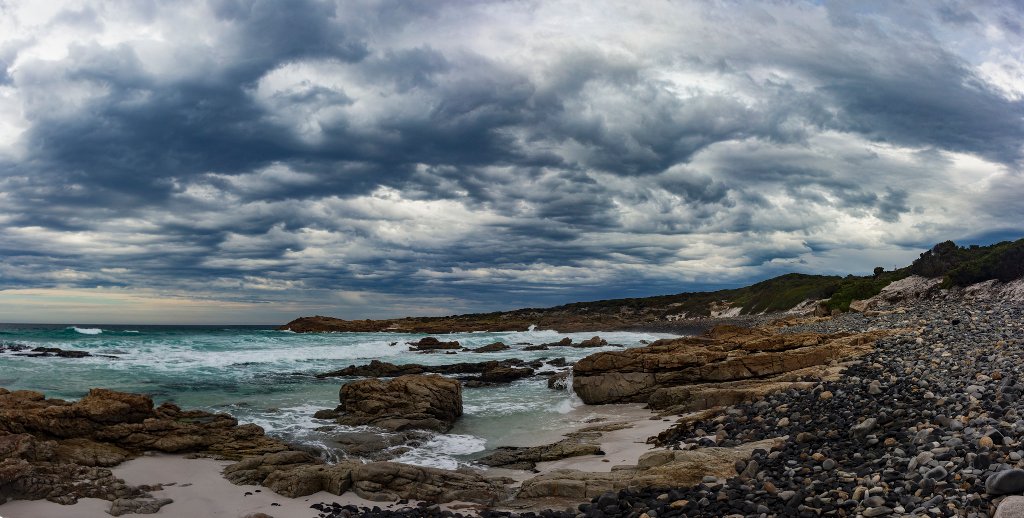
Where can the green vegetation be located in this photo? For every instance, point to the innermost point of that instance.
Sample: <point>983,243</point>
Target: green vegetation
<point>785,292</point>
<point>859,288</point>
<point>962,266</point>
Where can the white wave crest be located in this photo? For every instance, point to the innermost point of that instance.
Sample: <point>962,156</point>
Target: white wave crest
<point>86,330</point>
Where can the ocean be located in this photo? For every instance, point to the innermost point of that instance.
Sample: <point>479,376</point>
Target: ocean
<point>267,377</point>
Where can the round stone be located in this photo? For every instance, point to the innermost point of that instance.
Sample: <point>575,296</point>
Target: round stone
<point>1007,482</point>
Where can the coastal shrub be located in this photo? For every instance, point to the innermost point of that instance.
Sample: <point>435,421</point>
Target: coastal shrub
<point>962,266</point>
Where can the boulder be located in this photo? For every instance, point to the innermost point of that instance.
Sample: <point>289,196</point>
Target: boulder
<point>491,348</point>
<point>1010,507</point>
<point>407,402</point>
<point>1006,482</point>
<point>596,341</point>
<point>432,344</point>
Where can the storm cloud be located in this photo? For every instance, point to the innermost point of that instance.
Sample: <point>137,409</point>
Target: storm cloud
<point>379,158</point>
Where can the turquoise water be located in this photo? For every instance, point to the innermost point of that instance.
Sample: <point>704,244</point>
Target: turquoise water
<point>266,377</point>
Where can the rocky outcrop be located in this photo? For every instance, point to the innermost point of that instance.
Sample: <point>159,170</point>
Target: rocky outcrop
<point>727,354</point>
<point>658,468</point>
<point>60,450</point>
<point>527,457</point>
<point>294,474</point>
<point>130,423</point>
<point>407,402</point>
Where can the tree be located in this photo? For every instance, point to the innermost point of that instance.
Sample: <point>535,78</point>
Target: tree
<point>879,271</point>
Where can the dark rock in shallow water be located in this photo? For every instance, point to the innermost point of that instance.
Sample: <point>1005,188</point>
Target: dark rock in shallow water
<point>45,352</point>
<point>379,369</point>
<point>1007,482</point>
<point>559,381</point>
<point>596,341</point>
<point>327,413</point>
<point>491,348</point>
<point>431,343</point>
<point>505,374</point>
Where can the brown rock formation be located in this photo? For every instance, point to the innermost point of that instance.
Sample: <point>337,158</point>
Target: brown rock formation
<point>659,468</point>
<point>429,402</point>
<point>58,450</point>
<point>726,356</point>
<point>294,475</point>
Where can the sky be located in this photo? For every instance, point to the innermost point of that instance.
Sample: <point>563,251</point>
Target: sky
<point>248,161</point>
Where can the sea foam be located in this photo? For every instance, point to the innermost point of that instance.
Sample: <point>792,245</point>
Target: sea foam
<point>86,330</point>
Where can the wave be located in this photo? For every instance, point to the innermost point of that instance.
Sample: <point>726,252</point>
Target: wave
<point>86,330</point>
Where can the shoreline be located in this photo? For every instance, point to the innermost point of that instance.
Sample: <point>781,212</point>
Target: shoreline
<point>198,488</point>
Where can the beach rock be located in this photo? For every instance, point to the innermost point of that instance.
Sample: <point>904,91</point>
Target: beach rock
<point>389,481</point>
<point>1006,482</point>
<point>428,402</point>
<point>308,479</point>
<point>1010,507</point>
<point>491,348</point>
<point>86,452</point>
<point>514,457</point>
<point>137,506</point>
<point>431,344</point>
<point>254,470</point>
<point>655,469</point>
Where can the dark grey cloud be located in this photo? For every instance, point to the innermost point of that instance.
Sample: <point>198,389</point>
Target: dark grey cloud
<point>492,152</point>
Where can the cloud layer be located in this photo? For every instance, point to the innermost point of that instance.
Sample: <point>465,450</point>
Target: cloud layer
<point>379,158</point>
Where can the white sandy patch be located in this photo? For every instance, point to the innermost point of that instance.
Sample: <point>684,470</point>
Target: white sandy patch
<point>199,492</point>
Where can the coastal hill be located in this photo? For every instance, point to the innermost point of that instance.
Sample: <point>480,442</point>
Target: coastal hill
<point>958,266</point>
